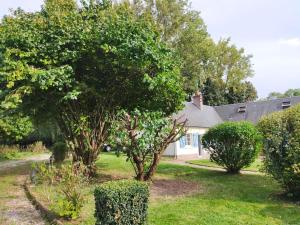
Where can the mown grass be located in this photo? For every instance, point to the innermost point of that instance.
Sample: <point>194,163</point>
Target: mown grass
<point>255,166</point>
<point>223,199</point>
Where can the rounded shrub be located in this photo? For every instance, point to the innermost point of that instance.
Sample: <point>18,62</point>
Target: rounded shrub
<point>281,133</point>
<point>59,150</point>
<point>233,145</point>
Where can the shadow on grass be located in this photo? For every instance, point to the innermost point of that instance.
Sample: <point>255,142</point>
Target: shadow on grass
<point>229,196</point>
<point>219,184</point>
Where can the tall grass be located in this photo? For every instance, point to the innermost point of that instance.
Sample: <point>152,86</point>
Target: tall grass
<point>9,152</point>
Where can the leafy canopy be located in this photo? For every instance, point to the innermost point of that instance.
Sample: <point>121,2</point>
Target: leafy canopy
<point>144,136</point>
<point>227,82</point>
<point>78,65</point>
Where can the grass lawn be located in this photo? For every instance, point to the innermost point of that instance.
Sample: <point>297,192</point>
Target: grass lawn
<point>221,198</point>
<point>255,166</point>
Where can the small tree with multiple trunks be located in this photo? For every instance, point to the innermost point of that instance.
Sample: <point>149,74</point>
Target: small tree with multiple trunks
<point>144,136</point>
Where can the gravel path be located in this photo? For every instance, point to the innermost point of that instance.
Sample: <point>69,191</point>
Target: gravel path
<point>16,209</point>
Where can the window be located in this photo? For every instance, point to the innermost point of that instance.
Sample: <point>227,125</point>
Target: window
<point>189,140</point>
<point>286,104</point>
<point>242,109</point>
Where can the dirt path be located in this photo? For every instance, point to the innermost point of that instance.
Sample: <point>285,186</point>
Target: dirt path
<point>15,209</point>
<point>179,162</point>
<point>15,163</point>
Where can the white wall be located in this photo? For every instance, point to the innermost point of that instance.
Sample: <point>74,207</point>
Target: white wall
<point>175,150</point>
<point>170,151</point>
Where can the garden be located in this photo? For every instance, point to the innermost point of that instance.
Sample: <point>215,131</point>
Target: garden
<point>200,196</point>
<point>97,85</point>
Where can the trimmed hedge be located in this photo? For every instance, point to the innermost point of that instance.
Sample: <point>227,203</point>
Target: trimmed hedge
<point>233,145</point>
<point>281,132</point>
<point>123,202</point>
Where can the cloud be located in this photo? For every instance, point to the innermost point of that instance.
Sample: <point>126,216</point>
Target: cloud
<point>293,42</point>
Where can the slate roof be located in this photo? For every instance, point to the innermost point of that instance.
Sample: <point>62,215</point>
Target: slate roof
<point>254,110</point>
<point>210,116</point>
<point>205,118</point>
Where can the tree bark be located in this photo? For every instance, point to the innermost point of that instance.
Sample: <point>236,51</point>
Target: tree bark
<point>153,167</point>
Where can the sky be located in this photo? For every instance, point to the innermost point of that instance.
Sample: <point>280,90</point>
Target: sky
<point>267,29</point>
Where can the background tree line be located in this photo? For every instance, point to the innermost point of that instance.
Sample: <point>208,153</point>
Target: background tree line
<point>288,93</point>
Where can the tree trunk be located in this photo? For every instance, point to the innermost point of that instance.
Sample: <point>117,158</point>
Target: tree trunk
<point>140,170</point>
<point>153,167</point>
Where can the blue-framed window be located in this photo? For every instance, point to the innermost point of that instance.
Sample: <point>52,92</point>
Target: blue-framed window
<point>196,140</point>
<point>189,140</point>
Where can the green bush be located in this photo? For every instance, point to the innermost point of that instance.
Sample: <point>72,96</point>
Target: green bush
<point>68,180</point>
<point>281,133</point>
<point>59,151</point>
<point>123,202</point>
<point>233,145</point>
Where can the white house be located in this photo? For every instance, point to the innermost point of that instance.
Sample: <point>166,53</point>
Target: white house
<point>202,117</point>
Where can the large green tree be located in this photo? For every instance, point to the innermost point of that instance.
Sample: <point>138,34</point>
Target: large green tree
<point>185,31</point>
<point>204,62</point>
<point>228,79</point>
<point>79,65</point>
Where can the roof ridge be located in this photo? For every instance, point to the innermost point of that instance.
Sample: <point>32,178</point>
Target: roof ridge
<point>258,101</point>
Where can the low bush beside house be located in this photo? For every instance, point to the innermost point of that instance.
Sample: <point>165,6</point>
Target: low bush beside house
<point>281,133</point>
<point>123,202</point>
<point>233,145</point>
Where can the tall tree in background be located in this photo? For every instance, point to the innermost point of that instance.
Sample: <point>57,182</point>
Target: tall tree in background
<point>220,69</point>
<point>185,31</point>
<point>79,65</point>
<point>227,82</point>
<point>244,92</point>
<point>213,92</point>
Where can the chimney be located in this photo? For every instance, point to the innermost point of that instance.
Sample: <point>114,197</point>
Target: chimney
<point>197,100</point>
